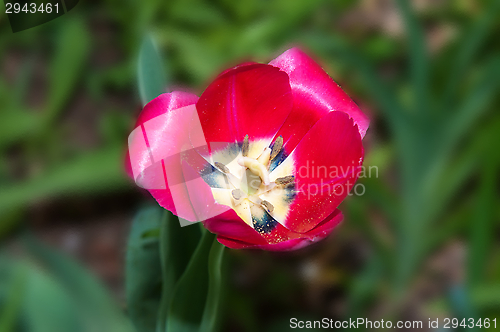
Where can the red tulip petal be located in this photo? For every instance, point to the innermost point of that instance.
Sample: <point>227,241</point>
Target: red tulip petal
<point>155,149</point>
<point>200,195</point>
<point>238,244</point>
<point>253,99</point>
<point>316,234</point>
<point>164,103</point>
<point>282,238</point>
<point>314,95</point>
<point>230,225</point>
<point>234,244</point>
<point>326,226</point>
<point>296,240</point>
<point>327,162</point>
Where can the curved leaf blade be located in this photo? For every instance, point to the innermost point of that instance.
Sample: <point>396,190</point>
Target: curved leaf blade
<point>143,269</point>
<point>177,245</point>
<point>198,288</point>
<point>150,72</point>
<point>97,308</point>
<point>209,319</point>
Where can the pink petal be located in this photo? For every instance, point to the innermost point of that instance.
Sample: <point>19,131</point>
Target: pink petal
<point>326,226</point>
<point>155,148</point>
<point>200,194</point>
<point>234,244</point>
<point>300,240</point>
<point>128,165</point>
<point>164,103</point>
<point>314,95</point>
<point>252,99</point>
<point>327,163</point>
<point>316,234</point>
<point>230,225</point>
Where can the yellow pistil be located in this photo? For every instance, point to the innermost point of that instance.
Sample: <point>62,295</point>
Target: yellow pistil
<point>256,167</point>
<point>264,157</point>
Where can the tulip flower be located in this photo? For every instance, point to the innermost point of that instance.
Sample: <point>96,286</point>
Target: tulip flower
<point>262,158</point>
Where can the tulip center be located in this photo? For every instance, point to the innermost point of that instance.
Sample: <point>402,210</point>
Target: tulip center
<point>248,183</point>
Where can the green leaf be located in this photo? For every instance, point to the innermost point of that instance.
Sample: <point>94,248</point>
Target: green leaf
<point>21,87</point>
<point>72,50</point>
<point>482,230</point>
<point>485,296</point>
<point>194,303</point>
<point>177,245</point>
<point>143,269</point>
<point>16,124</point>
<point>419,61</point>
<point>98,170</point>
<point>209,319</point>
<point>16,276</point>
<point>336,48</point>
<point>98,310</point>
<point>150,72</point>
<point>48,306</point>
<point>468,48</point>
<point>364,285</point>
<point>447,174</point>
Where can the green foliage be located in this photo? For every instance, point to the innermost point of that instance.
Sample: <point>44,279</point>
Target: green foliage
<point>51,292</point>
<point>432,168</point>
<point>177,245</point>
<point>195,300</point>
<point>150,72</point>
<point>15,279</point>
<point>66,65</point>
<point>88,172</point>
<point>434,137</point>
<point>143,269</point>
<point>92,301</point>
<point>173,282</point>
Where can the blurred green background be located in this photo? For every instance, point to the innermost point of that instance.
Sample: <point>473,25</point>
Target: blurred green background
<point>422,242</point>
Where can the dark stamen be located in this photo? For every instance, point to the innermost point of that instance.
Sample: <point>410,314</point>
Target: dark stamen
<point>268,206</point>
<point>221,167</point>
<point>245,147</point>
<point>278,144</point>
<point>284,180</point>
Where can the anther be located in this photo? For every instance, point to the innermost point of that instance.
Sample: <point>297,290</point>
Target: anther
<point>268,206</point>
<point>284,180</point>
<point>221,167</point>
<point>237,194</point>
<point>245,146</point>
<point>278,144</point>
